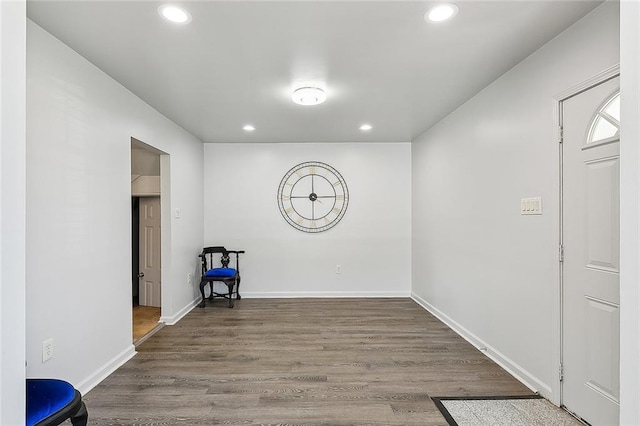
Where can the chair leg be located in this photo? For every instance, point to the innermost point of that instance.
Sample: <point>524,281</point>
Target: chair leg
<point>238,289</point>
<point>80,418</point>
<point>202,285</point>
<point>230,286</point>
<point>211,290</point>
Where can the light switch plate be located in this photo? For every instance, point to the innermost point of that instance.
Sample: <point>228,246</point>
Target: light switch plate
<point>531,206</point>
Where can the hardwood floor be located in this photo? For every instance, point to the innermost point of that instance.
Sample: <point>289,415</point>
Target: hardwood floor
<point>145,319</point>
<point>298,361</point>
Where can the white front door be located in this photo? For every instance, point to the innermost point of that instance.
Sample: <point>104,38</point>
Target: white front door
<point>149,270</point>
<point>591,240</point>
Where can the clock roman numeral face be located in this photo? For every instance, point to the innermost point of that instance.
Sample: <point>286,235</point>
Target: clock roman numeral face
<point>313,197</point>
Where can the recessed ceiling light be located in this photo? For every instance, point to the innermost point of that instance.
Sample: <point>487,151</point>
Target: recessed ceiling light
<point>366,127</point>
<point>174,14</point>
<point>309,96</point>
<point>441,13</point>
<point>248,128</point>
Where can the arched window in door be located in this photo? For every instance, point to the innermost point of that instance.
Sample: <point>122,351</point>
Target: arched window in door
<point>606,123</point>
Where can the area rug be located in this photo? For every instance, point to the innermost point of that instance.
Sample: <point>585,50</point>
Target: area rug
<point>503,410</point>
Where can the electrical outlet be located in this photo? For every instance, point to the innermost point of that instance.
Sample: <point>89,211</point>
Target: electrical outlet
<point>47,350</point>
<point>338,269</point>
<point>189,278</point>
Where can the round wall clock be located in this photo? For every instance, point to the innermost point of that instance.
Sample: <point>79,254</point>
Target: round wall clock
<point>313,197</point>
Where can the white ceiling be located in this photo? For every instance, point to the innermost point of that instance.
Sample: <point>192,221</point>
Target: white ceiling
<point>237,61</point>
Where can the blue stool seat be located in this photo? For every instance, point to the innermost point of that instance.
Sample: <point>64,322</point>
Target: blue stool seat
<point>51,402</point>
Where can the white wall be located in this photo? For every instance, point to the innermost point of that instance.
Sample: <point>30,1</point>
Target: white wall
<point>145,162</point>
<point>372,242</point>
<point>79,128</point>
<point>478,263</point>
<point>12,210</point>
<point>630,213</point>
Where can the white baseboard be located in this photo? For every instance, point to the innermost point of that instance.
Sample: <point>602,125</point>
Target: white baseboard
<point>172,320</point>
<point>323,294</point>
<point>526,378</point>
<point>92,381</point>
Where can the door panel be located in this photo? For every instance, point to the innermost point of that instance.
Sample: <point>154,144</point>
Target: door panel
<point>603,322</point>
<point>602,215</point>
<point>150,287</point>
<point>591,240</point>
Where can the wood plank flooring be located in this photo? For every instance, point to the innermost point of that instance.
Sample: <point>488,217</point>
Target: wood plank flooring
<point>145,319</point>
<point>298,361</point>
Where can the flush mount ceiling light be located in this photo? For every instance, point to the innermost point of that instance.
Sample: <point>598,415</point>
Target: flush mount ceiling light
<point>174,14</point>
<point>366,127</point>
<point>441,12</point>
<point>248,128</point>
<point>309,96</point>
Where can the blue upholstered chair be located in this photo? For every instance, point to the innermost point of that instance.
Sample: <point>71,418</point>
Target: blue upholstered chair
<point>210,274</point>
<point>51,402</point>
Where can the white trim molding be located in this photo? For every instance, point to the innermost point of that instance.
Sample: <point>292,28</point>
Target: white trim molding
<point>607,74</point>
<point>324,294</point>
<point>522,375</point>
<point>103,372</point>
<point>173,320</point>
<point>630,213</point>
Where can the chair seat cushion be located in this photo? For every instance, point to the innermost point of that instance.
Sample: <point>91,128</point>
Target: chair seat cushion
<point>46,397</point>
<point>220,273</point>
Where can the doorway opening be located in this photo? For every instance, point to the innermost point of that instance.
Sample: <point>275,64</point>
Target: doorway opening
<point>146,241</point>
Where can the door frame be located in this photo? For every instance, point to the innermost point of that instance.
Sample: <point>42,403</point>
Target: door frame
<point>558,302</point>
<point>165,223</point>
